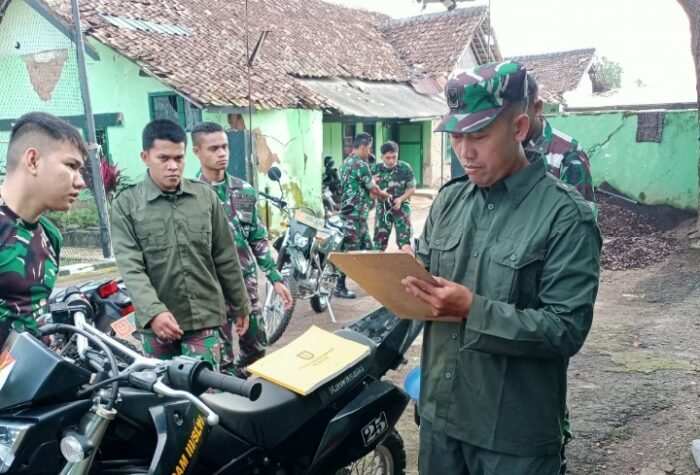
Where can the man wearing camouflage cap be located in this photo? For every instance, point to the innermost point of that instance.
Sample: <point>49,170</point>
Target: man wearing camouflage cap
<point>515,254</point>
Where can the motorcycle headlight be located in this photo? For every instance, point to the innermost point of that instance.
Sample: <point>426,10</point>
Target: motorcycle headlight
<point>11,435</point>
<point>300,241</point>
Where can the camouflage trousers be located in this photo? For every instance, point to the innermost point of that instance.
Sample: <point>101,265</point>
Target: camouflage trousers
<point>357,236</point>
<point>388,217</point>
<point>204,344</point>
<point>253,343</point>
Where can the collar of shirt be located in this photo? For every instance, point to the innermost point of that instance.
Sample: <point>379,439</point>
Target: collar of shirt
<point>519,184</point>
<point>153,192</point>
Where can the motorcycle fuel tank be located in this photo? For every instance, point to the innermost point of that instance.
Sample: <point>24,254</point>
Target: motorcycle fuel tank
<point>29,372</point>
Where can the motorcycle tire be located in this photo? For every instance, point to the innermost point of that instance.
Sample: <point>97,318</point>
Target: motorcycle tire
<point>274,329</point>
<point>390,454</point>
<point>318,304</point>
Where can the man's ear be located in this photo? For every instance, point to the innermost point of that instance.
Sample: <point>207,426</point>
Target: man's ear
<point>31,158</point>
<point>144,157</point>
<point>521,125</point>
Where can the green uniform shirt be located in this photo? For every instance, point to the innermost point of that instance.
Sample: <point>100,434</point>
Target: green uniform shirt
<point>529,249</point>
<point>176,253</point>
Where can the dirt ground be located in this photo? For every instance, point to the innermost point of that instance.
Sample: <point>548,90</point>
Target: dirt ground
<point>634,389</point>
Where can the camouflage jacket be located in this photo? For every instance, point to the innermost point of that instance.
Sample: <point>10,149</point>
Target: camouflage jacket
<point>396,181</point>
<point>356,179</point>
<point>28,267</point>
<point>564,158</point>
<point>240,202</point>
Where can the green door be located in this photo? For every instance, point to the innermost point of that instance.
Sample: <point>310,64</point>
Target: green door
<point>410,139</point>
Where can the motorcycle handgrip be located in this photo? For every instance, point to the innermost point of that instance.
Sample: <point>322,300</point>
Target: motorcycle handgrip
<point>278,201</point>
<point>243,387</point>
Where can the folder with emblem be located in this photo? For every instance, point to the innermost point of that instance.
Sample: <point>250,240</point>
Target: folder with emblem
<point>380,275</point>
<point>309,361</point>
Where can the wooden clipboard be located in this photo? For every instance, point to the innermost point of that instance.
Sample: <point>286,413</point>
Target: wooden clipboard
<point>381,273</point>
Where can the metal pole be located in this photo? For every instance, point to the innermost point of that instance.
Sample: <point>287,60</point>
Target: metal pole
<point>99,190</point>
<point>251,168</point>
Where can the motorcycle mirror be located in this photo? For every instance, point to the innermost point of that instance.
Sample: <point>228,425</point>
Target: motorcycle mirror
<point>274,174</point>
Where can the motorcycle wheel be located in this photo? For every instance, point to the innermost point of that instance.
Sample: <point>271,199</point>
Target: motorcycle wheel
<point>389,458</point>
<point>275,317</point>
<point>319,303</point>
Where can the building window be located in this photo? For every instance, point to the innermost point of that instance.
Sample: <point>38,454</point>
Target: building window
<point>176,108</point>
<point>348,136</point>
<point>372,130</point>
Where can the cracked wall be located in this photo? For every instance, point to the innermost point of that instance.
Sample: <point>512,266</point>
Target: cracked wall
<point>652,173</point>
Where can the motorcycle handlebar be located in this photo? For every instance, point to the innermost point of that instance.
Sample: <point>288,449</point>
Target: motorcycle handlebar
<point>280,203</point>
<point>242,387</point>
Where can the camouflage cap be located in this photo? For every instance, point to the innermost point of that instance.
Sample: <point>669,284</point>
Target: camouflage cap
<point>477,96</point>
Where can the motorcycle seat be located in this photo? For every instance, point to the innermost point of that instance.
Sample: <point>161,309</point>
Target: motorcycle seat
<point>278,412</point>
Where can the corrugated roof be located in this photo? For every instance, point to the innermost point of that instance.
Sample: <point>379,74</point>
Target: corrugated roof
<point>381,100</point>
<point>558,72</point>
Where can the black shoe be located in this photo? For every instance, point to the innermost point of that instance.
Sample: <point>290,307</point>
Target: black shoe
<point>344,293</point>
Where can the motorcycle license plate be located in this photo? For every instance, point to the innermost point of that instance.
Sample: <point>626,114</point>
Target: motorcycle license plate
<point>309,220</point>
<point>125,326</point>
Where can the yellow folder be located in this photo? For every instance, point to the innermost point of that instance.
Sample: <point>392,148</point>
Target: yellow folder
<point>310,361</point>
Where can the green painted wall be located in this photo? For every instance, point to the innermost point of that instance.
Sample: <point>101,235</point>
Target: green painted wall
<point>295,136</point>
<point>333,141</point>
<point>653,173</point>
<point>115,86</point>
<point>24,33</point>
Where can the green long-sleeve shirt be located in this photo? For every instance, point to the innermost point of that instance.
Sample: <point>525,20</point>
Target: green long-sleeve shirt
<point>176,253</point>
<point>529,249</point>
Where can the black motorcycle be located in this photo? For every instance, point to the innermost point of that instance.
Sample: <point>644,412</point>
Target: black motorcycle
<point>302,260</point>
<point>108,297</point>
<point>92,417</point>
<point>111,311</point>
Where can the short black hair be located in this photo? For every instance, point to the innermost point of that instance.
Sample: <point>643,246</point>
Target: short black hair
<point>532,88</point>
<point>31,128</point>
<point>389,146</point>
<point>204,128</point>
<point>162,129</point>
<point>363,138</point>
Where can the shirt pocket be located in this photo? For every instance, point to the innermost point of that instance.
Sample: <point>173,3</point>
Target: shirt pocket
<point>151,236</point>
<point>199,231</point>
<point>514,272</point>
<point>443,254</point>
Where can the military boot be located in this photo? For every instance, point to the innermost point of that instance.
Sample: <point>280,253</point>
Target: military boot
<point>341,291</point>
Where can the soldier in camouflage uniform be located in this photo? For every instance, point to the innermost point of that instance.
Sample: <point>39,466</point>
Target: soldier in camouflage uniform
<point>44,162</point>
<point>564,157</point>
<point>176,253</point>
<point>358,190</point>
<point>396,177</point>
<point>239,199</point>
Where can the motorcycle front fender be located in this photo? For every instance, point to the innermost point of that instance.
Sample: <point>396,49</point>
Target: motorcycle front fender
<point>298,260</point>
